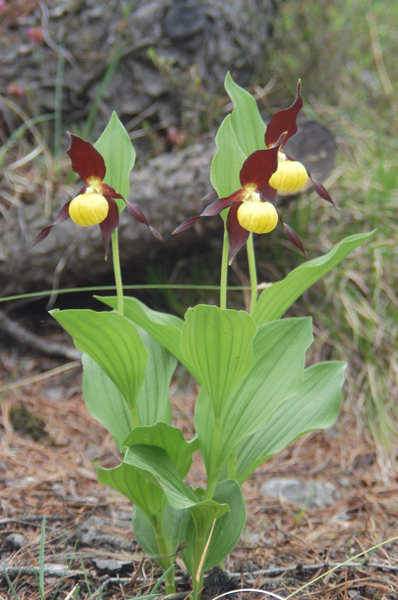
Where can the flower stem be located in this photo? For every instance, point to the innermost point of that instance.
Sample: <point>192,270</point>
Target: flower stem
<point>167,561</point>
<point>232,471</point>
<point>117,271</point>
<point>252,272</point>
<point>212,472</point>
<point>224,269</point>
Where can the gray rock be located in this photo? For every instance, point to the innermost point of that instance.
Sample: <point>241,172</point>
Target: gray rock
<point>307,494</point>
<point>111,565</point>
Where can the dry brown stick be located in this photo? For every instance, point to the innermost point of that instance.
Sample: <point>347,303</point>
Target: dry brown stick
<point>50,570</point>
<point>23,336</point>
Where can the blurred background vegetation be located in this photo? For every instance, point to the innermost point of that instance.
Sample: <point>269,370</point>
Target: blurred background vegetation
<point>344,53</point>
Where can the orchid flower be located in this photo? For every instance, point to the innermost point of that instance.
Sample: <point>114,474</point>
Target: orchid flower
<point>251,210</point>
<point>94,204</point>
<point>291,174</point>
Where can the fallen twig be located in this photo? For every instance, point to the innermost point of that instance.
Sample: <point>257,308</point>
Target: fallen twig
<point>23,336</point>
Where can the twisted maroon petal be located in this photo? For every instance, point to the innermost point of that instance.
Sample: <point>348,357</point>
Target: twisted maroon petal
<point>321,190</point>
<point>186,224</point>
<point>109,224</point>
<point>236,233</point>
<point>222,203</point>
<point>213,209</point>
<point>267,193</point>
<point>284,120</point>
<point>210,196</point>
<point>292,236</point>
<point>62,216</point>
<point>86,160</point>
<point>107,190</point>
<point>139,216</point>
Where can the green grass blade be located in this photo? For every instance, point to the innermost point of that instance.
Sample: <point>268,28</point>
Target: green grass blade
<point>41,559</point>
<point>14,593</point>
<point>59,83</point>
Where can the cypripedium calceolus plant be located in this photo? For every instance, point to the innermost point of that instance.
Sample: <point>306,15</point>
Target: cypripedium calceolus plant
<point>94,204</point>
<point>256,394</point>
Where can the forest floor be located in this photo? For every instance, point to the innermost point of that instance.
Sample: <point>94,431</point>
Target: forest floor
<point>49,449</point>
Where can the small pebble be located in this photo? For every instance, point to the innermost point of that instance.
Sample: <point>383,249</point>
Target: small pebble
<point>184,20</point>
<point>14,541</point>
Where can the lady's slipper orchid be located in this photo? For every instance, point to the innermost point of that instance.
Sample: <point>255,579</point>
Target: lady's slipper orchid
<point>291,175</point>
<point>95,202</point>
<point>250,209</point>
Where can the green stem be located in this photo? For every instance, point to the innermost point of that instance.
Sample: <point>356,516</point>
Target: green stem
<point>232,470</point>
<point>224,269</point>
<point>197,583</point>
<point>134,417</point>
<point>167,561</point>
<point>117,271</point>
<point>213,472</point>
<point>252,272</point>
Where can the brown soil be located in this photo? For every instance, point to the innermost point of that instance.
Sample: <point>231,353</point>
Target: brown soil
<point>88,533</point>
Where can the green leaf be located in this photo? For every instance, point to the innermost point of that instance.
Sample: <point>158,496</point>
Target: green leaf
<point>155,464</point>
<point>227,162</point>
<point>113,342</point>
<point>196,528</point>
<point>278,297</point>
<point>315,406</point>
<point>246,120</point>
<point>229,526</point>
<point>118,152</point>
<point>145,535</point>
<point>145,494</point>
<point>105,402</point>
<point>163,327</point>
<point>219,344</point>
<point>171,439</point>
<point>276,374</point>
<point>153,402</point>
<point>135,484</point>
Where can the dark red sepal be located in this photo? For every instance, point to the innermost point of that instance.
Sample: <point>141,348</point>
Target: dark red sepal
<point>237,235</point>
<point>62,216</point>
<point>86,160</point>
<point>258,167</point>
<point>292,236</point>
<point>139,216</point>
<point>109,224</point>
<point>284,120</point>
